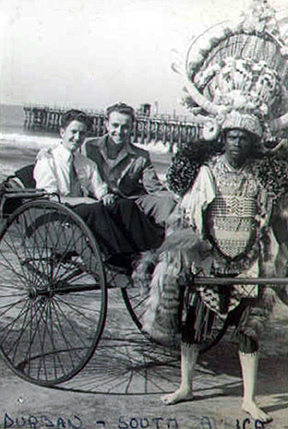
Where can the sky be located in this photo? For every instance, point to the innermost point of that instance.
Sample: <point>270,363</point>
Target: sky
<point>93,53</point>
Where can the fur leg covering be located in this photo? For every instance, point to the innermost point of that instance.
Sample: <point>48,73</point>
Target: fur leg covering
<point>143,270</point>
<point>162,318</point>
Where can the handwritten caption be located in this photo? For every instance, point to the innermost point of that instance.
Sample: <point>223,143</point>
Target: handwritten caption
<point>75,422</point>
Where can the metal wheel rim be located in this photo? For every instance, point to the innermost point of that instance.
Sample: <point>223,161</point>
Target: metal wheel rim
<point>36,310</point>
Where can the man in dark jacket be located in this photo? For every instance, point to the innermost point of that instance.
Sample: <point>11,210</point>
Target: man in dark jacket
<point>126,168</point>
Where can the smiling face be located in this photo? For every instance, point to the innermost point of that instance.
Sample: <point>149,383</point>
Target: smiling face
<point>238,146</point>
<point>119,127</point>
<point>73,135</point>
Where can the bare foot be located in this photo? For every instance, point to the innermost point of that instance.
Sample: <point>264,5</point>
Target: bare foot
<point>179,395</point>
<point>256,412</point>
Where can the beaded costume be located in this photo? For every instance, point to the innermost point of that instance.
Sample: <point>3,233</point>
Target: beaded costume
<point>235,79</point>
<point>231,216</point>
<point>230,208</point>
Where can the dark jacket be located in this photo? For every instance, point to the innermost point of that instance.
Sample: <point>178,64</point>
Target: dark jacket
<point>131,174</point>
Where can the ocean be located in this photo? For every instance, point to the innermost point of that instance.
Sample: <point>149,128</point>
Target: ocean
<point>19,146</point>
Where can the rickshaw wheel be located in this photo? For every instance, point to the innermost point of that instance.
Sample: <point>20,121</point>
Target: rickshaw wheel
<point>53,297</point>
<point>136,304</point>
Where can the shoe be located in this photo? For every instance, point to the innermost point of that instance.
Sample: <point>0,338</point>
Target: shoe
<point>119,263</point>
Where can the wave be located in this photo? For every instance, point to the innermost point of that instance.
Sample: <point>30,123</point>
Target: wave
<point>27,140</point>
<point>41,141</point>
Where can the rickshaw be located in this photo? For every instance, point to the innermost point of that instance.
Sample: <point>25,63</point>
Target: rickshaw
<point>54,288</point>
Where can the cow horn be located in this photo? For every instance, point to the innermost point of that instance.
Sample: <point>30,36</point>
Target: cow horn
<point>278,124</point>
<point>202,101</point>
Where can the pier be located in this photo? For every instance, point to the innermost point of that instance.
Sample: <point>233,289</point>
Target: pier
<point>171,131</point>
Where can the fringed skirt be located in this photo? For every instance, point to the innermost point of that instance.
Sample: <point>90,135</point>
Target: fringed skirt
<point>247,318</point>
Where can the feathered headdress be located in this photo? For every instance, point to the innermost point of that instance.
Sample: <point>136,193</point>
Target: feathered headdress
<point>236,76</point>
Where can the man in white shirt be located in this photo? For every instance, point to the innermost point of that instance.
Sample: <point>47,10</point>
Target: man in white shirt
<point>54,169</point>
<point>122,229</point>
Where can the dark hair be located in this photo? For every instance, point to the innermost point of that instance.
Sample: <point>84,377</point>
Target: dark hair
<point>123,108</point>
<point>75,115</point>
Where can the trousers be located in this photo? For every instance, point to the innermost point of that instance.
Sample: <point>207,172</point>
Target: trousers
<point>122,228</point>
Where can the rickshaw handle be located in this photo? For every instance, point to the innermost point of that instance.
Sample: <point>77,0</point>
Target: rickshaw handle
<point>226,281</point>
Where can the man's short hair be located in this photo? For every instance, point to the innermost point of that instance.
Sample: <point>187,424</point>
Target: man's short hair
<point>123,108</point>
<point>75,115</point>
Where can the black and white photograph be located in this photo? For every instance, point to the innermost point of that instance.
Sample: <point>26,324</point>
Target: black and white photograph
<point>144,214</point>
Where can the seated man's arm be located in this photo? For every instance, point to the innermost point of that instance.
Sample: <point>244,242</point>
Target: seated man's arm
<point>97,186</point>
<point>74,201</point>
<point>140,170</point>
<point>92,182</point>
<point>44,174</point>
<point>150,178</point>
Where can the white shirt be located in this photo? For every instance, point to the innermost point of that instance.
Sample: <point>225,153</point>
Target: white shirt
<point>53,167</point>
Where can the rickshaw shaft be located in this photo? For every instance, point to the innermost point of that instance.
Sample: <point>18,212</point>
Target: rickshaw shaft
<point>226,281</point>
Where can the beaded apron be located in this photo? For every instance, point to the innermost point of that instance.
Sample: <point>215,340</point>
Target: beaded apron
<point>231,216</point>
<point>234,231</point>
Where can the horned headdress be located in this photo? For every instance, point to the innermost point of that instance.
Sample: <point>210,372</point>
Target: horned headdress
<point>236,75</point>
